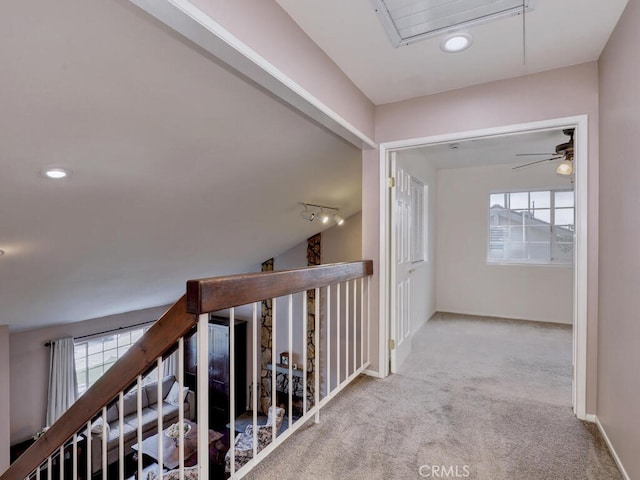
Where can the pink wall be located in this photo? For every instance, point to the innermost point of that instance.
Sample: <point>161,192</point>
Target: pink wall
<point>4,398</point>
<point>265,27</point>
<point>558,93</point>
<point>619,325</point>
<point>371,243</point>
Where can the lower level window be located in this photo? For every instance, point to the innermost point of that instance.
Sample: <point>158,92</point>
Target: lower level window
<point>95,356</point>
<point>534,227</point>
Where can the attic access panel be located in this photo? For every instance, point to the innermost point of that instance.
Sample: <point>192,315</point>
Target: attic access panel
<point>408,21</point>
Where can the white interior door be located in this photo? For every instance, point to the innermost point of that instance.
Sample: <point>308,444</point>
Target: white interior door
<point>400,294</point>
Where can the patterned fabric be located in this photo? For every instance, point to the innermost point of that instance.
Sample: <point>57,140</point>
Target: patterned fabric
<point>243,447</point>
<point>190,473</point>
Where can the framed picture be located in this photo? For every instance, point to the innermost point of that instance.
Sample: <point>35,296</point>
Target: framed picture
<point>284,358</point>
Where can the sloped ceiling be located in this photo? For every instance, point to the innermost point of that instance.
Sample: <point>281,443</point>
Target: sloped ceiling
<point>179,169</point>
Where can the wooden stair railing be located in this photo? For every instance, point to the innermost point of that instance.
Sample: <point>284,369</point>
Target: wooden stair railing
<point>161,337</point>
<point>212,294</point>
<point>203,296</point>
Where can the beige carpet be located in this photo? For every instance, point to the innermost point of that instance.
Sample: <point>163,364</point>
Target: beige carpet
<point>477,399</point>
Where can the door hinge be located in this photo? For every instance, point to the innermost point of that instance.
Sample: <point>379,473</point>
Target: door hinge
<point>391,182</point>
<point>392,344</point>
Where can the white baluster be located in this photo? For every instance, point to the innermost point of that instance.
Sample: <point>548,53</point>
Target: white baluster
<point>354,321</point>
<point>305,347</point>
<point>203,395</point>
<point>328,309</point>
<point>338,334</point>
<point>232,380</point>
<point>160,394</point>
<point>290,350</point>
<point>347,322</point>
<point>256,358</point>
<point>105,434</point>
<point>274,342</point>
<point>180,354</point>
<point>120,436</point>
<point>316,370</point>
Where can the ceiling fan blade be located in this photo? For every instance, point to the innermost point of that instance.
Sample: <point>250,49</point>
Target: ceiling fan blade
<point>538,161</point>
<point>527,154</point>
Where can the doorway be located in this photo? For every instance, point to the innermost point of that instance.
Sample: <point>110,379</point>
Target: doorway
<point>388,287</point>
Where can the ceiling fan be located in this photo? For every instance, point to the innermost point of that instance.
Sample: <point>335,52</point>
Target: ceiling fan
<point>563,151</point>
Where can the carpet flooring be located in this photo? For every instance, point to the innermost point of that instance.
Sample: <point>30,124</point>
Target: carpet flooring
<point>485,399</point>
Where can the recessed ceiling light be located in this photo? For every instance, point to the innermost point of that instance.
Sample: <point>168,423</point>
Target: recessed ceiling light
<point>1,252</point>
<point>456,43</point>
<point>55,173</point>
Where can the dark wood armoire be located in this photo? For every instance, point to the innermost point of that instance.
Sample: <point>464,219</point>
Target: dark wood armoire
<point>219,368</point>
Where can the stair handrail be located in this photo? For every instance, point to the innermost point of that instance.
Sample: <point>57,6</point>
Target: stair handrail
<point>203,296</point>
<point>156,342</point>
<point>219,293</point>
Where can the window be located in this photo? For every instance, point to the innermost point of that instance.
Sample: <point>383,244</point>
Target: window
<point>94,356</point>
<point>418,238</point>
<point>531,227</point>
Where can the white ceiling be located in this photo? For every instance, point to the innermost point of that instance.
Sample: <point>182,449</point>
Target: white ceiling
<point>497,150</point>
<point>180,169</point>
<point>558,33</point>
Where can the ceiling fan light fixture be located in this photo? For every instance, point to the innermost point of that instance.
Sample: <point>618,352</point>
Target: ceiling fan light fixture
<point>456,43</point>
<point>565,168</point>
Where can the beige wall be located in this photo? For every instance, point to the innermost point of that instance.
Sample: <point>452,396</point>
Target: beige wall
<point>619,325</point>
<point>466,283</point>
<point>267,29</point>
<point>343,244</point>
<point>29,360</point>
<point>558,93</point>
<point>339,244</point>
<point>371,244</point>
<point>5,431</point>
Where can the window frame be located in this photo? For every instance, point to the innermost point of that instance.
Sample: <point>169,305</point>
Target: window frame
<point>418,243</point>
<point>552,240</point>
<point>84,343</point>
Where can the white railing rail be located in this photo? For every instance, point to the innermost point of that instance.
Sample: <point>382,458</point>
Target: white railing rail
<point>340,348</point>
<point>121,427</point>
<point>89,453</point>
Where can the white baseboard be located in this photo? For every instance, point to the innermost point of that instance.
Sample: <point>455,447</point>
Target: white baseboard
<point>611,449</point>
<point>589,417</point>
<point>372,373</point>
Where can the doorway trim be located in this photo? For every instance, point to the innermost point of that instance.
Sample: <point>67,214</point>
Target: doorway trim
<point>580,122</point>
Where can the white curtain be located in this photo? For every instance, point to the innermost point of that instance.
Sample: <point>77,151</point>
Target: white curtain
<point>169,367</point>
<point>63,385</point>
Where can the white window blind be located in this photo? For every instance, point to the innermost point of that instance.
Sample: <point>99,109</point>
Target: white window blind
<point>532,227</point>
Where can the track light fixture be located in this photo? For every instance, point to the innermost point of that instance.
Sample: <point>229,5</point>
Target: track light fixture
<point>308,214</point>
<point>312,211</point>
